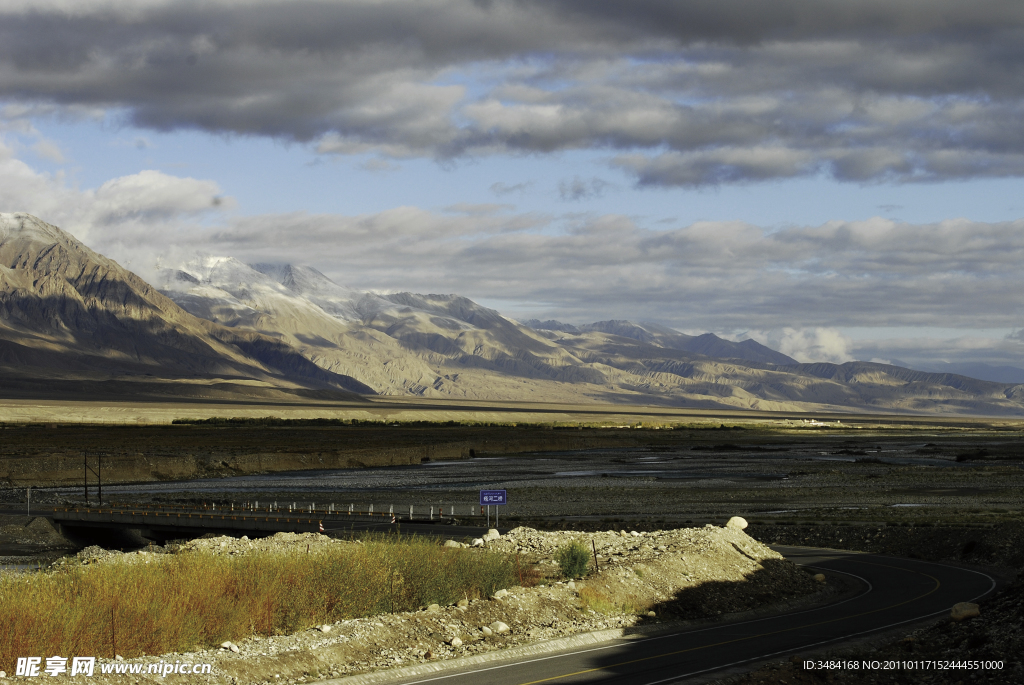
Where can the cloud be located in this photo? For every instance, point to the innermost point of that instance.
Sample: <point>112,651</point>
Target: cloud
<point>47,149</point>
<point>138,214</point>
<point>682,94</point>
<point>928,352</point>
<point>501,189</point>
<point>377,165</point>
<point>707,275</point>
<point>807,344</point>
<point>579,189</point>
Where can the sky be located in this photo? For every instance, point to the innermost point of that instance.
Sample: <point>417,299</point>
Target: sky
<point>839,179</point>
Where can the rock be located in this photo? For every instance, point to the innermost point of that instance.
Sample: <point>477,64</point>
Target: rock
<point>118,657</point>
<point>433,608</point>
<point>500,594</point>
<point>623,533</point>
<point>964,610</point>
<point>225,645</point>
<point>325,628</point>
<point>245,537</point>
<point>571,585</point>
<point>499,627</point>
<point>234,648</point>
<point>634,533</point>
<point>737,523</point>
<point>462,603</point>
<point>820,577</point>
<point>651,614</point>
<point>3,674</point>
<point>478,542</point>
<point>487,631</point>
<point>452,543</point>
<point>492,534</point>
<point>455,642</point>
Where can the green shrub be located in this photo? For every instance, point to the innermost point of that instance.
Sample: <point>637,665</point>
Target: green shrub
<point>573,559</point>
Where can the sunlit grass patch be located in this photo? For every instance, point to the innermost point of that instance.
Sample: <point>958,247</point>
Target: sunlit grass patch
<point>602,603</point>
<point>190,601</point>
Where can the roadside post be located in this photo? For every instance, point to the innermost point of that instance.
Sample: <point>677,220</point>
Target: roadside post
<point>495,498</point>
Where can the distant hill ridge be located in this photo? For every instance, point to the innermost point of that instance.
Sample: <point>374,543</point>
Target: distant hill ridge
<point>707,344</point>
<point>215,326</point>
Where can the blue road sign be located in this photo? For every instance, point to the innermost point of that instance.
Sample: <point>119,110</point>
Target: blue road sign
<point>493,497</point>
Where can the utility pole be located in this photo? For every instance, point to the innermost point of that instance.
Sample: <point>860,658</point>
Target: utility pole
<point>99,477</point>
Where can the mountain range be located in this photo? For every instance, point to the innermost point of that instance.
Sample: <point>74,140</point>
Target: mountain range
<point>75,321</point>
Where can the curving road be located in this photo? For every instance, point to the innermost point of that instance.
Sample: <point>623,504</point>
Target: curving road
<point>894,591</point>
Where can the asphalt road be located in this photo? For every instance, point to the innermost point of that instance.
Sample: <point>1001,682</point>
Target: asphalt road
<point>894,592</point>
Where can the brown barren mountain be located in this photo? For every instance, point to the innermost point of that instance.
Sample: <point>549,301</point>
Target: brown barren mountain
<point>447,346</point>
<point>75,324</point>
<point>73,321</point>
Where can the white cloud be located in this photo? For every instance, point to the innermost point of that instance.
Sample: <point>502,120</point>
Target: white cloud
<point>807,344</point>
<point>47,149</point>
<point>155,195</point>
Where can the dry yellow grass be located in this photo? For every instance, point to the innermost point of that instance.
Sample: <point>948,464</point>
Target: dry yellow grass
<point>190,601</point>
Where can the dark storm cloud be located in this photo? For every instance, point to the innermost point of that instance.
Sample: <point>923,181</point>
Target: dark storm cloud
<point>685,93</point>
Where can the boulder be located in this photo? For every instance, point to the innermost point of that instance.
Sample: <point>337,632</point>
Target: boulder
<point>492,534</point>
<point>964,610</point>
<point>499,627</point>
<point>325,628</point>
<point>478,542</point>
<point>462,603</point>
<point>452,543</point>
<point>500,594</point>
<point>455,642</point>
<point>487,631</point>
<point>820,577</point>
<point>737,523</point>
<point>434,608</point>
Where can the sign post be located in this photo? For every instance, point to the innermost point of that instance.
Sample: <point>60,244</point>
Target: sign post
<point>495,497</point>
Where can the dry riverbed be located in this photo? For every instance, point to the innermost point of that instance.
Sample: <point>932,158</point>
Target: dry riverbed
<point>645,578</point>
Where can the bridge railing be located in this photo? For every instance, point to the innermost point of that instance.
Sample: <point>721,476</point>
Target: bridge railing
<point>332,511</point>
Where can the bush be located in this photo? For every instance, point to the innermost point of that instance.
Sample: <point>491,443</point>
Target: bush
<point>190,601</point>
<point>573,559</point>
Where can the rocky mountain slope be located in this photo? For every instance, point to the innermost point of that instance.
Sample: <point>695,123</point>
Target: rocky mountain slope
<point>450,347</point>
<point>73,320</point>
<point>708,344</point>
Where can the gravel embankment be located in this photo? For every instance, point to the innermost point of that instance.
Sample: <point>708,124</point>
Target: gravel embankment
<point>645,578</point>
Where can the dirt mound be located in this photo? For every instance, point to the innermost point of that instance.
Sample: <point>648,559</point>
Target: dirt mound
<point>644,578</point>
